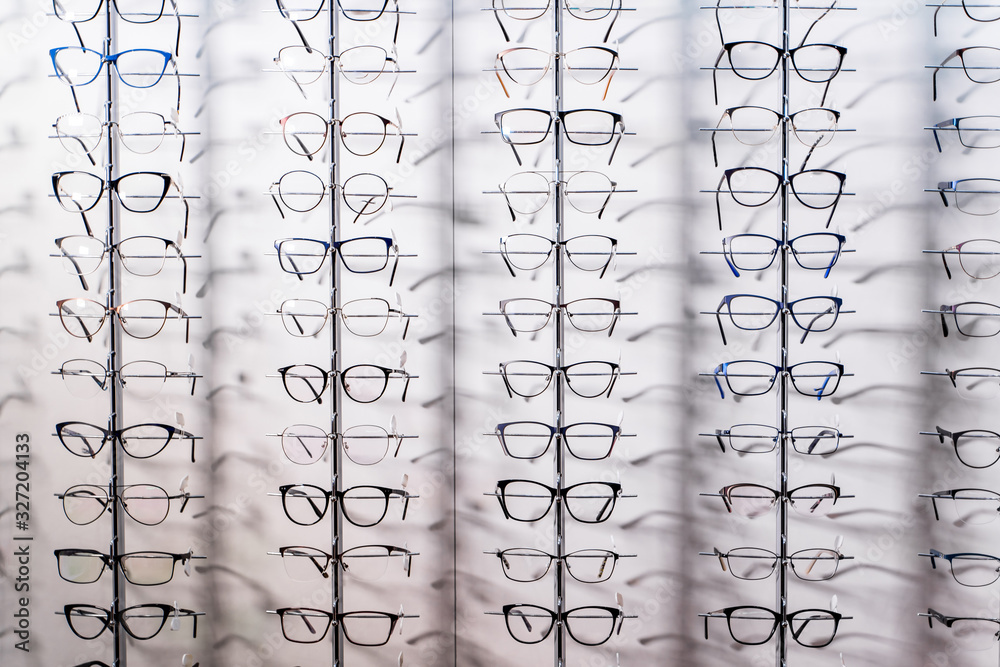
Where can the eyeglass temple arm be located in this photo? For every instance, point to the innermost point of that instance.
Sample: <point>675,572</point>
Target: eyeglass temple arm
<point>951,376</point>
<point>503,253</point>
<point>719,369</point>
<point>395,264</point>
<point>942,125</point>
<point>934,555</point>
<point>496,15</point>
<point>941,433</point>
<point>718,319</point>
<point>600,213</point>
<point>833,209</point>
<point>935,73</point>
<point>944,322</point>
<point>941,188</point>
<point>496,70</point>
<point>503,503</point>
<point>614,150</point>
<point>934,21</point>
<point>614,321</point>
<point>715,92</point>
<point>76,265</point>
<point>937,517</point>
<point>718,204</point>
<point>406,387</point>
<point>516,156</point>
<point>944,260</point>
<point>932,614</point>
<point>615,372</point>
<point>718,438</point>
<point>808,327</point>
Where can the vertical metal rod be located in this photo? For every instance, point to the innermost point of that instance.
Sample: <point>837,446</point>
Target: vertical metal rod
<point>560,360</point>
<point>783,322</point>
<point>336,460</point>
<point>117,545</point>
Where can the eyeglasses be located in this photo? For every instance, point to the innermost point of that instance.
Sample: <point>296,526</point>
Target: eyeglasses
<point>77,66</point>
<point>585,10</point>
<point>527,501</point>
<point>527,66</point>
<point>975,319</point>
<point>978,258</point>
<point>302,191</point>
<point>363,10</point>
<point>753,500</point>
<point>755,126</point>
<point>977,383</point>
<point>141,621</point>
<point>140,441</point>
<point>362,628</point>
<point>751,625</point>
<point>130,11</point>
<point>969,569</point>
<point>980,63</point>
<point>755,252</point>
<point>588,315</point>
<point>365,444</point>
<point>754,378</point>
<point>817,189</point>
<point>975,196</point>
<point>586,379</point>
<point>141,132</point>
<point>753,563</point>
<point>754,61</point>
<point>359,64</point>
<point>590,626</point>
<point>982,13</point>
<point>364,254</point>
<point>588,252</point>
<point>587,441</point>
<point>975,506</point>
<point>140,255</point>
<point>973,131</point>
<point>588,566</point>
<point>142,378</point>
<point>528,192</point>
<point>141,568</point>
<point>976,448</point>
<point>363,383</point>
<point>138,192</point>
<point>762,439</point>
<point>584,127</point>
<point>147,504</point>
<point>363,506</point>
<point>361,133</point>
<point>362,317</point>
<point>971,633</point>
<point>750,312</point>
<point>365,563</point>
<point>141,318</point>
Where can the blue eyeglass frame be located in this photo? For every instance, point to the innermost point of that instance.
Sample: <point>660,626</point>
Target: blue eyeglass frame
<point>113,60</point>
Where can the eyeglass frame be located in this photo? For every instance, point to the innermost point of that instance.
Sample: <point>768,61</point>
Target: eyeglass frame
<point>778,370</point>
<point>726,494</point>
<point>388,372</point>
<point>790,118</point>
<point>337,618</point>
<point>952,186</point>
<point>548,194</point>
<point>339,494</point>
<point>836,617</point>
<point>780,182</point>
<point>950,495</point>
<point>109,374</point>
<point>109,619</point>
<point>167,308</point>
<point>954,436</point>
<point>782,306</point>
<point>960,54</point>
<point>557,245</point>
<point>113,59</point>
<point>957,124</point>
<point>609,74</point>
<point>790,559</point>
<point>728,47</point>
<point>556,618</point>
<point>790,434</point>
<point>391,247</point>
<point>560,493</point>
<point>935,554</point>
<point>616,432</point>
<point>115,247</point>
<point>611,9</point>
<point>553,307</point>
<point>117,123</point>
<point>338,558</point>
<point>116,434</point>
<point>109,498</point>
<point>946,309</point>
<point>107,561</point>
<point>780,244</point>
<point>561,370</point>
<point>618,128</point>
<point>330,123</point>
<point>501,554</point>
